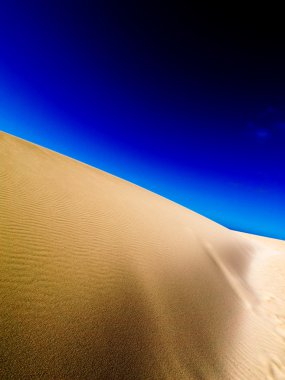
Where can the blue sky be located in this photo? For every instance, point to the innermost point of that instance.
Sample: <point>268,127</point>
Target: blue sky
<point>185,113</point>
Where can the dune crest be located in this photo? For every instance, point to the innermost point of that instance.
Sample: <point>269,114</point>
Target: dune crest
<point>101,279</point>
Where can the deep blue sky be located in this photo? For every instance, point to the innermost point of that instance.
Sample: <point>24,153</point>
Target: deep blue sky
<point>187,102</point>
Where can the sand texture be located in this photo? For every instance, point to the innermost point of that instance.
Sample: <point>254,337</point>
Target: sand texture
<point>101,279</point>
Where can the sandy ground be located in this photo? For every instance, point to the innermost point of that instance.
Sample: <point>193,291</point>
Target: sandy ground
<point>101,279</point>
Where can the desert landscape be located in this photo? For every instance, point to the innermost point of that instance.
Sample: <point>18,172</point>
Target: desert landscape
<point>102,279</point>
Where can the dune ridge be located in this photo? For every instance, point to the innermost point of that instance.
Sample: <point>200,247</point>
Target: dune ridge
<point>101,279</point>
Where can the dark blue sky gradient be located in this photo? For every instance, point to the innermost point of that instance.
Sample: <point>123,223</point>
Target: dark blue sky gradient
<point>186,102</point>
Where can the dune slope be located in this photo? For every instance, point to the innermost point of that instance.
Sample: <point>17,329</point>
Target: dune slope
<point>101,279</point>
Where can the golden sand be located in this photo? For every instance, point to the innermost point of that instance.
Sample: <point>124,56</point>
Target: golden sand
<point>101,279</point>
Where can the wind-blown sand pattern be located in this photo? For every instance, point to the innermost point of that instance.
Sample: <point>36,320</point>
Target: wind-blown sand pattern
<point>101,279</point>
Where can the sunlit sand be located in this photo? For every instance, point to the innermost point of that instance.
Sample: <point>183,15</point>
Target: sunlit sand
<point>101,279</point>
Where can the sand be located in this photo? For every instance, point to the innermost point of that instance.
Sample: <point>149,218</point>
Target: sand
<point>101,279</point>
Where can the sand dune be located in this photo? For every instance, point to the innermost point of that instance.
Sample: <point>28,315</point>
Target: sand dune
<point>101,279</point>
